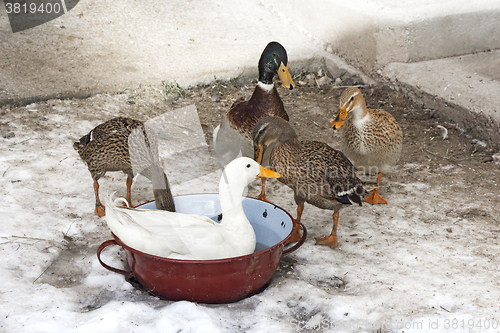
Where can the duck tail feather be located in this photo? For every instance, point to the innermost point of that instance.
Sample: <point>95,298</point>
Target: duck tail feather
<point>356,199</point>
<point>357,194</point>
<point>163,196</point>
<point>344,200</point>
<point>214,136</point>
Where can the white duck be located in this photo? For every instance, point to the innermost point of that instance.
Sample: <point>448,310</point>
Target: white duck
<point>193,237</point>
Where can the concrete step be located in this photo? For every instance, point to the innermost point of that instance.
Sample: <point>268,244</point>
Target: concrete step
<point>464,90</point>
<point>373,33</point>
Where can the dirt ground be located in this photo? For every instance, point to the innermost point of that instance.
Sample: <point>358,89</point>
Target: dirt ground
<point>312,106</point>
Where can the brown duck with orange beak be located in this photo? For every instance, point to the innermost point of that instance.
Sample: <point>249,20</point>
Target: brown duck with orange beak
<point>372,139</point>
<point>317,173</point>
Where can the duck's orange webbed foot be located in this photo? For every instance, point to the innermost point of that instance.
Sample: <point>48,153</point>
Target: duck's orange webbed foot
<point>262,197</point>
<point>297,235</point>
<point>100,210</point>
<point>128,201</point>
<point>375,198</point>
<point>330,240</point>
<point>129,205</point>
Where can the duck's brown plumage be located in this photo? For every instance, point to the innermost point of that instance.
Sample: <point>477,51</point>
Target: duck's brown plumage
<point>244,114</point>
<point>376,145</point>
<point>317,173</point>
<point>108,147</point>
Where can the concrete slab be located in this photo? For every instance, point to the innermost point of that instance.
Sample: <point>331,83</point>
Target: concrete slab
<point>373,33</point>
<point>108,45</point>
<point>471,82</point>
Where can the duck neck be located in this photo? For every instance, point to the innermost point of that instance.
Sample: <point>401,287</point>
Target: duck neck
<point>267,87</point>
<point>230,195</point>
<point>359,114</point>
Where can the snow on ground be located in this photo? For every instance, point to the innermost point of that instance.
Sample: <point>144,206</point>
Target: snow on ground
<point>415,265</point>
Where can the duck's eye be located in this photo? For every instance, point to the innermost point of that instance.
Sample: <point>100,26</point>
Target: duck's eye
<point>248,165</point>
<point>351,99</point>
<point>283,70</point>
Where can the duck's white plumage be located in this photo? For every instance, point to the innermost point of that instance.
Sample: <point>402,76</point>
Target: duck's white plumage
<point>191,237</point>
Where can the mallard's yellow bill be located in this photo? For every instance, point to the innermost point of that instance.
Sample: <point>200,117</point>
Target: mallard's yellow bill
<point>266,173</point>
<point>285,77</point>
<point>339,120</point>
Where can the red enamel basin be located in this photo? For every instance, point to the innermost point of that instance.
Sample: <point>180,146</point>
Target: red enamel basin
<point>214,281</point>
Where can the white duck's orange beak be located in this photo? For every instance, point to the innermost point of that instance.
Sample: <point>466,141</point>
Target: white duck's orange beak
<point>266,173</point>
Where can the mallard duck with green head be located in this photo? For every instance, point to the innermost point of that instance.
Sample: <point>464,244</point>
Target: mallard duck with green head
<point>233,136</point>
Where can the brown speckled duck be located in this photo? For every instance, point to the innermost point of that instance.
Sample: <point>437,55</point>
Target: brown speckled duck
<point>234,134</point>
<point>124,144</point>
<point>372,139</point>
<point>317,173</point>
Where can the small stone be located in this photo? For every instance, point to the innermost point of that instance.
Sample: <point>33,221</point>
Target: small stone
<point>215,98</point>
<point>352,81</point>
<point>9,135</point>
<point>324,80</point>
